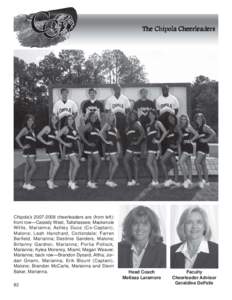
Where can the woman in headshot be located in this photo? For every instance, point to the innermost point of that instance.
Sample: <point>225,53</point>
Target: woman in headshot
<point>141,245</point>
<point>26,139</point>
<point>49,137</point>
<point>195,250</point>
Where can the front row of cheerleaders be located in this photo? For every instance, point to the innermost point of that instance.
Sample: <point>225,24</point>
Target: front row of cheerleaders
<point>172,147</point>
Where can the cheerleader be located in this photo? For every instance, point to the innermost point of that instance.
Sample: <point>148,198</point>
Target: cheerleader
<point>48,136</point>
<point>134,134</point>
<point>188,136</point>
<point>110,137</point>
<point>26,139</point>
<point>205,135</point>
<point>69,137</point>
<point>91,139</point>
<point>173,149</point>
<point>155,132</point>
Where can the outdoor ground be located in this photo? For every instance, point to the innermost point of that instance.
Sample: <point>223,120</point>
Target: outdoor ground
<point>143,192</point>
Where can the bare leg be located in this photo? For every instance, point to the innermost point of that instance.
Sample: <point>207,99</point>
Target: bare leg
<point>150,158</point>
<point>55,166</point>
<point>198,159</point>
<point>114,164</point>
<point>26,170</point>
<point>97,160</point>
<point>90,163</point>
<point>126,161</point>
<point>70,169</point>
<point>189,167</point>
<point>205,169</point>
<point>183,166</point>
<point>155,166</point>
<point>175,167</point>
<point>135,161</point>
<point>110,167</point>
<point>76,165</point>
<point>163,161</point>
<point>32,164</point>
<point>50,169</point>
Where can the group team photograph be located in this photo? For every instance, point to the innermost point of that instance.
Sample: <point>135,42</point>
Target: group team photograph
<point>96,129</point>
<point>119,130</point>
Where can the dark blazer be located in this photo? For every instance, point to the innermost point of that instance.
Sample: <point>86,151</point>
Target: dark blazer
<point>203,260</point>
<point>154,256</point>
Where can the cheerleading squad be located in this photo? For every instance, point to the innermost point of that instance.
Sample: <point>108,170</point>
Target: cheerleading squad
<point>118,130</point>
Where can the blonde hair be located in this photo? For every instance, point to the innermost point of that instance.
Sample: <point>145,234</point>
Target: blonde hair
<point>183,218</point>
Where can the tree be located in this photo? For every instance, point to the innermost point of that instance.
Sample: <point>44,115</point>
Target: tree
<point>204,98</point>
<point>134,72</point>
<point>118,68</point>
<point>51,69</point>
<point>94,68</point>
<point>72,62</point>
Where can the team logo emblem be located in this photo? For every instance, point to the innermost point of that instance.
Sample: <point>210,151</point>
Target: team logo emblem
<point>52,26</point>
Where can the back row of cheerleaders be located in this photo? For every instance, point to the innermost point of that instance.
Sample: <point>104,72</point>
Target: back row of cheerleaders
<point>172,144</point>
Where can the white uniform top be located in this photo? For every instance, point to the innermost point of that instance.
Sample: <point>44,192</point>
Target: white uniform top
<point>167,104</point>
<point>117,105</point>
<point>64,109</point>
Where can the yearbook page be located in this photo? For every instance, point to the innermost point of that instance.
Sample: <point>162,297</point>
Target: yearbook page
<point>115,146</point>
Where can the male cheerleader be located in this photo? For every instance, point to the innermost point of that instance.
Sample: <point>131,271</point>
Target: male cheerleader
<point>119,105</point>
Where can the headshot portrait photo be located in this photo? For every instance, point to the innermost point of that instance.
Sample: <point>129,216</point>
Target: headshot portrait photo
<point>194,237</point>
<point>142,237</point>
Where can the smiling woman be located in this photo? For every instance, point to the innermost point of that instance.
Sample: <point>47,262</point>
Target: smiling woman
<point>195,250</point>
<point>141,245</point>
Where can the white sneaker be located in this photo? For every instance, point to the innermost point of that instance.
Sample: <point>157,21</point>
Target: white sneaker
<point>154,183</point>
<point>24,186</point>
<point>168,183</point>
<point>134,182</point>
<point>30,187</point>
<point>175,183</point>
<point>111,183</point>
<point>186,184</point>
<point>69,183</point>
<point>91,185</point>
<point>131,183</point>
<point>205,182</point>
<point>73,186</point>
<point>50,184</point>
<point>201,184</point>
